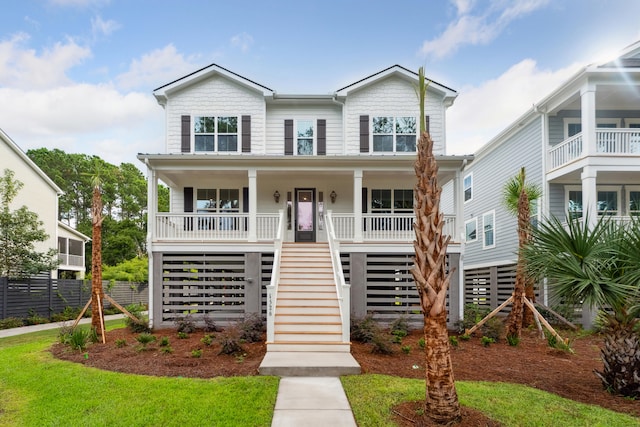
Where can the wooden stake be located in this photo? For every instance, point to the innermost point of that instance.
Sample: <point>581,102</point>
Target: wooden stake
<point>544,321</point>
<point>102,331</point>
<point>536,317</point>
<point>558,316</point>
<point>489,316</point>
<point>121,308</point>
<point>84,310</point>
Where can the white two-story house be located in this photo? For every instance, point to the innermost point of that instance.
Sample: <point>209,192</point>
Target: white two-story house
<point>580,144</point>
<point>258,177</point>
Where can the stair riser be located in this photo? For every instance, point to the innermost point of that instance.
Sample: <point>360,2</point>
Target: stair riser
<point>310,338</point>
<point>297,318</point>
<point>329,348</point>
<point>309,327</point>
<point>306,288</point>
<point>306,295</point>
<point>305,302</point>
<point>281,309</point>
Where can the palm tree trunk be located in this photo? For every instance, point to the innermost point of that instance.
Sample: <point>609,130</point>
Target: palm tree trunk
<point>97,294</point>
<point>432,282</point>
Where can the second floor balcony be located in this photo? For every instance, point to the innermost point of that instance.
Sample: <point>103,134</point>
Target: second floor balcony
<point>609,142</point>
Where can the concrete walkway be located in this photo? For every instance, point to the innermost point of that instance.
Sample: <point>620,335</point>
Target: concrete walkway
<point>46,326</point>
<point>311,402</point>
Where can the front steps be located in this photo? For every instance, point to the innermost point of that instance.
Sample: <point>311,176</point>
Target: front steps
<point>308,329</point>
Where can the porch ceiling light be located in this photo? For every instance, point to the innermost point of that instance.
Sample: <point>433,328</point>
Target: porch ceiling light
<point>276,196</point>
<point>333,196</point>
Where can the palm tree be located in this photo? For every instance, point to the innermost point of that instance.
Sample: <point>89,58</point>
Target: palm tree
<point>517,198</point>
<point>598,266</point>
<point>432,279</point>
<point>97,293</point>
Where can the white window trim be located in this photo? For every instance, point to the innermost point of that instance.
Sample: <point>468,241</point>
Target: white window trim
<point>394,134</point>
<point>629,121</point>
<point>615,188</point>
<point>484,245</point>
<point>314,142</point>
<point>627,198</point>
<point>215,134</point>
<point>572,120</point>
<point>474,220</point>
<point>469,175</point>
<point>217,209</point>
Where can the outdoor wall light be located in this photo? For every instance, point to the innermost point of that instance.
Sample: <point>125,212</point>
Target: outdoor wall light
<point>333,196</point>
<point>276,196</point>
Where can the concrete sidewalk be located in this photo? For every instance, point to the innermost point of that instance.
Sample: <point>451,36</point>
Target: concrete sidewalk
<point>46,326</point>
<point>311,402</point>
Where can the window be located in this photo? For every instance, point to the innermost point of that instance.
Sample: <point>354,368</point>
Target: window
<point>304,140</point>
<point>634,201</point>
<point>488,230</point>
<point>471,230</point>
<point>468,187</point>
<point>211,132</point>
<point>211,200</point>
<point>573,126</point>
<point>381,201</point>
<point>403,201</point>
<point>394,134</point>
<point>574,204</point>
<point>608,203</point>
<point>398,201</point>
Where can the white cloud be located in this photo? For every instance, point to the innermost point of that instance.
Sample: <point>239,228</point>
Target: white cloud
<point>481,113</point>
<point>99,27</point>
<point>243,41</point>
<point>156,68</point>
<point>24,68</point>
<point>473,27</point>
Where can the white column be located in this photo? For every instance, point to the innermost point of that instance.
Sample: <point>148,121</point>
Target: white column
<point>588,119</point>
<point>589,194</point>
<point>253,205</point>
<point>357,205</point>
<point>458,207</point>
<point>152,208</point>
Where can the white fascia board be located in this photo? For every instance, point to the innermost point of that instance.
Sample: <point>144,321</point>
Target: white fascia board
<point>73,231</point>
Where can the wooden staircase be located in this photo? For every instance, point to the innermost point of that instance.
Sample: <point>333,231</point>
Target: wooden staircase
<point>307,316</point>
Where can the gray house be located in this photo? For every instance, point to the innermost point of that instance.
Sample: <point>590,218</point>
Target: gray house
<point>581,144</point>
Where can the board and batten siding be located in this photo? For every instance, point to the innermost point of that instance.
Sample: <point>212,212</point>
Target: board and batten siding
<point>490,173</point>
<point>396,97</point>
<point>216,96</point>
<point>277,114</point>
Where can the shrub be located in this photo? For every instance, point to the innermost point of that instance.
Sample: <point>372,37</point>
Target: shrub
<point>397,339</point>
<point>380,345</point>
<point>473,313</point>
<point>35,319</point>
<point>206,340</point>
<point>513,340</point>
<point>185,324</point>
<point>421,343</point>
<point>139,326</point>
<point>487,341</point>
<point>252,328</point>
<point>121,343</point>
<point>11,322</point>
<point>406,349</point>
<point>183,335</point>
<point>453,341</point>
<point>401,324</point>
<point>78,339</point>
<point>164,341</point>
<point>209,324</point>
<point>144,339</point>
<point>230,341</point>
<point>166,350</point>
<point>364,329</point>
<point>493,328</point>
<point>464,337</point>
<point>197,353</point>
<point>69,313</point>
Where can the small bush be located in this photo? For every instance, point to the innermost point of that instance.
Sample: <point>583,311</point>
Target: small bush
<point>513,340</point>
<point>421,343</point>
<point>397,339</point>
<point>364,329</point>
<point>35,319</point>
<point>400,326</point>
<point>206,340</point>
<point>185,324</point>
<point>69,313</point>
<point>493,328</point>
<point>144,339</point>
<point>229,341</point>
<point>121,343</point>
<point>183,335</point>
<point>11,322</point>
<point>399,333</point>
<point>209,324</point>
<point>453,341</point>
<point>164,341</point>
<point>166,350</point>
<point>380,345</point>
<point>252,328</point>
<point>473,313</point>
<point>406,349</point>
<point>464,337</point>
<point>487,341</point>
<point>197,353</point>
<point>79,339</point>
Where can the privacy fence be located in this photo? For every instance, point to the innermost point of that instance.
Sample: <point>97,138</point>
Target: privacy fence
<point>43,296</point>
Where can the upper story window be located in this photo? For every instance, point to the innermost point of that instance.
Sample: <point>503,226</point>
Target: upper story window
<point>488,230</point>
<point>468,187</point>
<point>471,230</point>
<point>394,134</point>
<point>304,137</point>
<point>573,126</point>
<point>213,134</point>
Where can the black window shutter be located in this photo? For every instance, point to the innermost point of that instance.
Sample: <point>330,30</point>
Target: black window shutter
<point>186,134</point>
<point>188,207</point>
<point>364,134</point>
<point>322,137</point>
<point>246,134</point>
<point>288,137</point>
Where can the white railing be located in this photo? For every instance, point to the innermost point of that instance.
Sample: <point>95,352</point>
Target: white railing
<point>222,226</point>
<point>272,287</point>
<point>71,260</point>
<point>343,289</point>
<point>608,141</point>
<point>384,227</point>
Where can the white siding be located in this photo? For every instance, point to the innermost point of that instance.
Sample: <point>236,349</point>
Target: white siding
<point>216,96</point>
<point>278,113</point>
<point>392,96</point>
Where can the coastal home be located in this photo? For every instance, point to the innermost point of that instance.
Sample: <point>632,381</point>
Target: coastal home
<point>296,207</point>
<point>40,195</point>
<point>581,144</point>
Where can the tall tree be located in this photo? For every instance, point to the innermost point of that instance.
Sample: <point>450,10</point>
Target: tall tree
<point>97,294</point>
<point>598,266</point>
<point>20,229</point>
<point>517,197</point>
<point>432,279</point>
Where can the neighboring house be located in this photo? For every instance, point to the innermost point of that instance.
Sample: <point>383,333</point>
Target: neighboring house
<point>250,169</point>
<point>581,144</point>
<point>40,195</point>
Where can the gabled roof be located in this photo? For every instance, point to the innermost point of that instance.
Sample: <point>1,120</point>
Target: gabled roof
<point>396,70</point>
<point>204,73</point>
<point>30,163</point>
<point>73,231</point>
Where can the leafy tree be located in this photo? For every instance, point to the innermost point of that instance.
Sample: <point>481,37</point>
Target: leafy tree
<point>135,270</point>
<point>20,229</point>
<point>598,266</point>
<point>432,279</point>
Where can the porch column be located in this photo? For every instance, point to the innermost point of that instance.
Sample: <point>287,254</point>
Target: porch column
<point>152,208</point>
<point>588,119</point>
<point>589,195</point>
<point>253,205</point>
<point>458,207</point>
<point>357,205</point>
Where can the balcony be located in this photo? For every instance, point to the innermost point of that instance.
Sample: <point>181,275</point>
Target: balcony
<point>68,260</point>
<point>622,142</point>
<point>234,227</point>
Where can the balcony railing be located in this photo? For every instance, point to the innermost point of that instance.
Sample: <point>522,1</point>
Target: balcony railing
<point>608,141</point>
<point>384,227</point>
<point>71,260</point>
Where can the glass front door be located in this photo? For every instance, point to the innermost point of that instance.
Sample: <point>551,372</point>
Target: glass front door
<point>305,215</point>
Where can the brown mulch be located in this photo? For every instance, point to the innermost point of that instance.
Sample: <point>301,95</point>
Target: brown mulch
<point>532,363</point>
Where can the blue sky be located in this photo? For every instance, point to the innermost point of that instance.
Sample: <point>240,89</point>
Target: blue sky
<point>78,74</point>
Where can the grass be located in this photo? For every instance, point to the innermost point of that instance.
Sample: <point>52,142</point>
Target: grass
<point>39,390</point>
<point>373,396</point>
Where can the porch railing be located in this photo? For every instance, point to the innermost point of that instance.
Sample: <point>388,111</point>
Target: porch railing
<point>383,227</point>
<point>608,141</point>
<point>342,288</point>
<point>71,260</point>
<point>222,226</point>
<point>272,287</point>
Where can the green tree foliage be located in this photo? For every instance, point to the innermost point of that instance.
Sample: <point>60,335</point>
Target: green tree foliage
<point>20,229</point>
<point>135,270</point>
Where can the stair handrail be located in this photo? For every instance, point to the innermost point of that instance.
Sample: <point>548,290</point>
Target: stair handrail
<point>272,287</point>
<point>343,289</point>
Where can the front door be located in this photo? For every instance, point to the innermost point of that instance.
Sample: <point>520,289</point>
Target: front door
<point>305,215</point>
